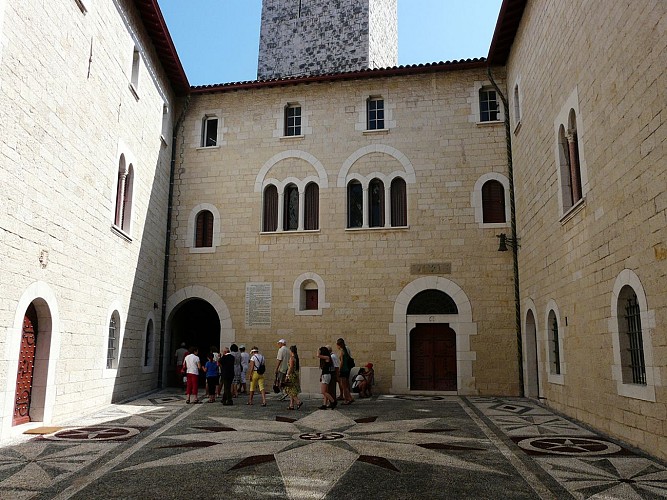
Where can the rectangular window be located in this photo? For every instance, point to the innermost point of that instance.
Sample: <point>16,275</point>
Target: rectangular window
<point>489,109</point>
<point>209,132</point>
<point>375,113</point>
<point>311,300</point>
<point>292,120</point>
<point>136,60</point>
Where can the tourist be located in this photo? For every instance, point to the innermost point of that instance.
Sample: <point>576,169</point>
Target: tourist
<point>326,367</point>
<point>256,369</point>
<point>212,377</point>
<point>179,356</point>
<point>335,370</point>
<point>227,375</point>
<point>236,382</point>
<point>347,363</point>
<point>282,364</point>
<point>245,360</point>
<point>192,365</point>
<point>293,387</point>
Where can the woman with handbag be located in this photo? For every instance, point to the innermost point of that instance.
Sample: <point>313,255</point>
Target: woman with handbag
<point>346,365</point>
<point>326,366</point>
<point>293,384</point>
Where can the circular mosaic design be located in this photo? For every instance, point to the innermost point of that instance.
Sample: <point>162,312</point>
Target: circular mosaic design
<point>321,436</point>
<point>96,433</point>
<point>572,446</point>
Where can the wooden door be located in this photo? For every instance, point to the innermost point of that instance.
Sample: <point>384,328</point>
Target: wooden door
<point>26,367</point>
<point>433,358</point>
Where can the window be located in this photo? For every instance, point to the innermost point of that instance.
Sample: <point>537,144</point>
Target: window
<point>489,109</point>
<point>517,106</point>
<point>291,208</point>
<point>309,293</point>
<point>376,203</point>
<point>292,120</point>
<point>632,343</point>
<point>165,134</point>
<point>124,188</point>
<point>554,365</point>
<point>148,344</point>
<point>375,113</point>
<point>270,212</point>
<point>570,172</point>
<point>493,202</point>
<point>134,78</point>
<point>204,229</point>
<point>209,135</point>
<point>399,205</point>
<point>312,208</point>
<point>112,346</point>
<point>355,204</point>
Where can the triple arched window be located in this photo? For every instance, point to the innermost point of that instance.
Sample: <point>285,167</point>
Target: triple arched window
<point>377,204</point>
<point>291,208</point>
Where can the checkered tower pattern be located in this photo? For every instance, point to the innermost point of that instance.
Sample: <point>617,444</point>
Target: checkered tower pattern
<point>310,37</point>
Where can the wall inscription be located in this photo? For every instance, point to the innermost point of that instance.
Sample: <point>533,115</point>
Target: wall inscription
<point>434,268</point>
<point>258,298</point>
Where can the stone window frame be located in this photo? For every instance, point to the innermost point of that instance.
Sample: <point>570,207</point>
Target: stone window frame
<point>477,201</point>
<point>362,111</point>
<point>629,278</point>
<point>561,122</point>
<point>281,186</point>
<point>199,130</point>
<point>475,115</point>
<point>115,309</point>
<point>554,378</point>
<point>124,192</point>
<point>191,230</point>
<point>517,100</point>
<point>299,299</point>
<point>148,364</point>
<point>279,117</point>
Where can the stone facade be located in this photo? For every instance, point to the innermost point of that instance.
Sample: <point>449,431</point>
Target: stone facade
<point>609,74</point>
<point>367,276</point>
<point>308,37</point>
<point>68,116</point>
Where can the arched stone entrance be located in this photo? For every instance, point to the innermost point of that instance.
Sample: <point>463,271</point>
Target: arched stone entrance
<point>441,312</point>
<point>200,318</point>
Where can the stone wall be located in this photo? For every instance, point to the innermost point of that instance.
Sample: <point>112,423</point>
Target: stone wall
<point>611,70</point>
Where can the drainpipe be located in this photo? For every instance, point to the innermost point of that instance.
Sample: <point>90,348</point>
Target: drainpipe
<point>167,244</point>
<point>515,245</point>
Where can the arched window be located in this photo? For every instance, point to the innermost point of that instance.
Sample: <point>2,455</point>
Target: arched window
<point>113,340</point>
<point>399,203</point>
<point>493,202</point>
<point>270,215</point>
<point>570,171</point>
<point>148,345</point>
<point>630,337</point>
<point>291,208</point>
<point>517,105</point>
<point>432,302</point>
<point>204,229</point>
<point>554,344</point>
<point>355,204</point>
<point>309,296</point>
<point>376,203</point>
<point>124,187</point>
<point>312,208</point>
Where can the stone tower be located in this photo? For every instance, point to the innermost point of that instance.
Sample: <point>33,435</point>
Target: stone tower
<point>310,37</point>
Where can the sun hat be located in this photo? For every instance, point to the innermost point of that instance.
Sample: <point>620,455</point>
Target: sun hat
<point>282,341</point>
<point>254,349</point>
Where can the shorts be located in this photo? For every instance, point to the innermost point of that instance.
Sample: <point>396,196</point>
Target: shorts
<point>257,380</point>
<point>326,378</point>
<point>212,382</point>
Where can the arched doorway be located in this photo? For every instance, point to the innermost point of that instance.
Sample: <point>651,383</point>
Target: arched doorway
<point>432,344</point>
<point>196,323</point>
<point>532,375</point>
<point>26,367</point>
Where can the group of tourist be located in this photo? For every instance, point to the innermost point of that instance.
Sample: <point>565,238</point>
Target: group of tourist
<point>229,372</point>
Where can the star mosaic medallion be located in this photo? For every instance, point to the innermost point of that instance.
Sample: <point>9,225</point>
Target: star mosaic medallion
<point>320,447</point>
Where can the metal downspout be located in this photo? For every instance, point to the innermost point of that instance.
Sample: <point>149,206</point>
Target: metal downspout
<point>515,245</point>
<point>165,272</point>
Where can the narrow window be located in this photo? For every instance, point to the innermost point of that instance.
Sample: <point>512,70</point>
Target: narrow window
<point>632,342</point>
<point>209,131</point>
<point>517,105</point>
<point>573,148</point>
<point>399,204</point>
<point>375,113</point>
<point>291,208</point>
<point>204,229</point>
<point>270,212</point>
<point>292,120</point>
<point>554,344</point>
<point>136,60</point>
<point>488,105</point>
<point>493,202</point>
<point>376,203</point>
<point>112,344</point>
<point>312,208</point>
<point>124,188</point>
<point>355,204</point>
<point>148,346</point>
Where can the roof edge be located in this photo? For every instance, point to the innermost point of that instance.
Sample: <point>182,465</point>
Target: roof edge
<point>509,18</point>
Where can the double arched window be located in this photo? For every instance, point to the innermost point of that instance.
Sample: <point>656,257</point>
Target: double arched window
<point>124,189</point>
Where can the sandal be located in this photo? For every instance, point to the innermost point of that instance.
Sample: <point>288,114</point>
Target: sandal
<point>263,404</point>
<point>299,405</point>
<point>290,407</point>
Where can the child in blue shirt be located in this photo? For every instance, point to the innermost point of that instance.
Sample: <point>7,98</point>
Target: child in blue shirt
<point>212,376</point>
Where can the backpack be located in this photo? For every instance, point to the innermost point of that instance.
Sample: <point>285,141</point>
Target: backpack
<point>262,367</point>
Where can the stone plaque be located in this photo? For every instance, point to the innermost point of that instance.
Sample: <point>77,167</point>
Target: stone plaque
<point>434,268</point>
<point>258,298</point>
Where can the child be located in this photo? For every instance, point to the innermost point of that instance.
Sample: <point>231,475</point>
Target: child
<point>211,369</point>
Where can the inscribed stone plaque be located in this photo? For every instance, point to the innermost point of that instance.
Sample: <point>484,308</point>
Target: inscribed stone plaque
<point>258,298</point>
<point>434,268</point>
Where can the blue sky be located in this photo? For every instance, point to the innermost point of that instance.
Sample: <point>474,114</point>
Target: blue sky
<point>217,40</point>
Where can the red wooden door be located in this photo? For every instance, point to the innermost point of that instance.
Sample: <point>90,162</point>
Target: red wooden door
<point>433,358</point>
<point>26,367</point>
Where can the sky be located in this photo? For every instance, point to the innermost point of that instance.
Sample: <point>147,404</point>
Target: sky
<point>218,40</point>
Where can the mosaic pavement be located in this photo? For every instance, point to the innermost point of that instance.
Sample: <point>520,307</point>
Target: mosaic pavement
<point>389,447</point>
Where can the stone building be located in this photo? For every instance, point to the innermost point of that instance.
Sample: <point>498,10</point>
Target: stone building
<point>340,196</point>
